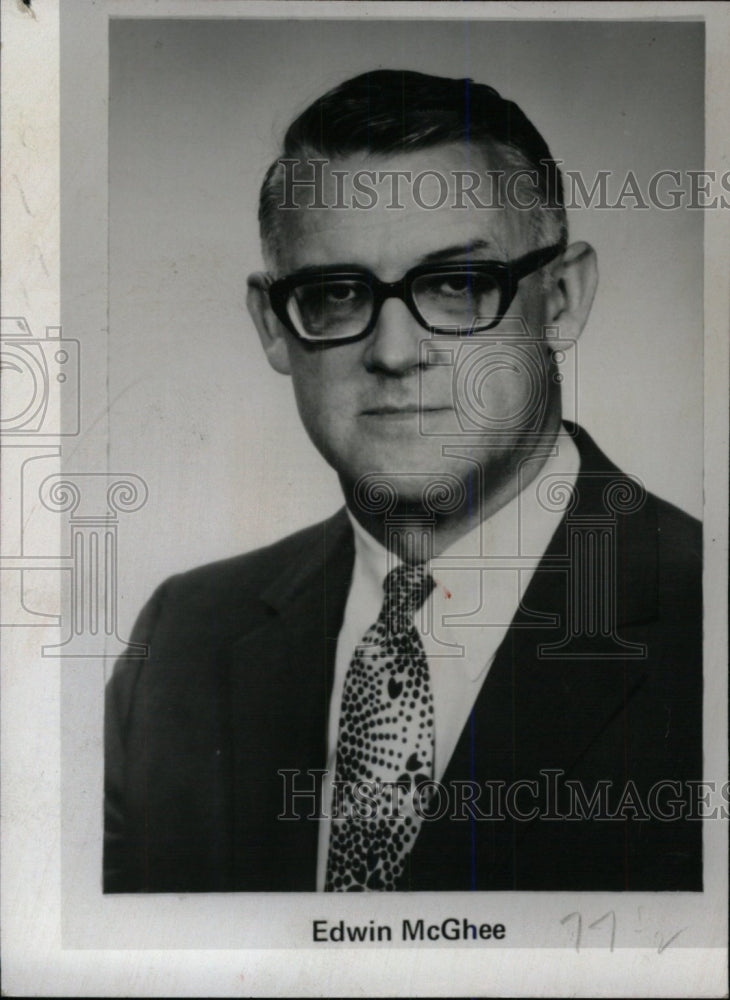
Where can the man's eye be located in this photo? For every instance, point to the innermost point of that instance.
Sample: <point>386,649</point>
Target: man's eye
<point>460,285</point>
<point>331,295</point>
<point>456,284</point>
<point>339,293</point>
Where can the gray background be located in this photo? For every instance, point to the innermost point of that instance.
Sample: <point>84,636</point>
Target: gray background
<point>196,112</point>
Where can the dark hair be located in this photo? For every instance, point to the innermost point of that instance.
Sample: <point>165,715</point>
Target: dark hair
<point>389,111</point>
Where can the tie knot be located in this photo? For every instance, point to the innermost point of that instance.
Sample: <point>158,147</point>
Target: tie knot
<point>406,588</point>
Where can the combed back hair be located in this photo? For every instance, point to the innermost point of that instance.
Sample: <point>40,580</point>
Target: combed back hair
<point>396,111</point>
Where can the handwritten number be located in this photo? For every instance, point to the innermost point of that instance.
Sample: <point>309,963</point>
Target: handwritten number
<point>579,927</point>
<point>600,920</point>
<point>611,914</point>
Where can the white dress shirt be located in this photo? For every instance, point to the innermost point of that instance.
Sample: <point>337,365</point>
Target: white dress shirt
<point>480,580</point>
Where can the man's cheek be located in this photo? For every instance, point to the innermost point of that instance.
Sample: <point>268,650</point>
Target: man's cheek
<point>500,389</point>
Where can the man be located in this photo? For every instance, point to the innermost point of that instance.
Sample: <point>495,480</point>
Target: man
<point>485,672</point>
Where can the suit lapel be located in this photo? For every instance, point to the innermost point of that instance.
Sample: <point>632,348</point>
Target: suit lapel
<point>538,711</point>
<point>533,712</point>
<point>281,677</point>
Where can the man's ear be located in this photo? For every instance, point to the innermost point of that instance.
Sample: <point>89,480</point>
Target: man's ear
<point>271,333</point>
<point>571,299</point>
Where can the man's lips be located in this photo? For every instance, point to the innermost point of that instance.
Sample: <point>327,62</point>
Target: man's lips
<point>394,410</point>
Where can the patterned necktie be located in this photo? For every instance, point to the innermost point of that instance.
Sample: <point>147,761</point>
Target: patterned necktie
<point>386,736</point>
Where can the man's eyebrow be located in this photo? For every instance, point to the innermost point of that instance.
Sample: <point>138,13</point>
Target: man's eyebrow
<point>443,253</point>
<point>457,250</point>
<point>317,269</point>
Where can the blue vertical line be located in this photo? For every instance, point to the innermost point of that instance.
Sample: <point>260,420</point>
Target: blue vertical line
<point>467,116</point>
<point>470,485</point>
<point>467,91</point>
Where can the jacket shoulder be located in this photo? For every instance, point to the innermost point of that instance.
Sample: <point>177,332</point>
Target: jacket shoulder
<point>679,532</point>
<point>193,614</point>
<point>258,569</point>
<point>259,566</point>
<point>224,598</point>
<point>679,565</point>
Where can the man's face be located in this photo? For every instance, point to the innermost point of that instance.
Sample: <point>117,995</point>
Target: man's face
<point>385,404</point>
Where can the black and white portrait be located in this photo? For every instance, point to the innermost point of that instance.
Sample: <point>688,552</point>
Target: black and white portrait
<point>483,670</point>
<point>364,498</point>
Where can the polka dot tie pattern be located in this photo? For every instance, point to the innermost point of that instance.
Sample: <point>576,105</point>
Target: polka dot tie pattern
<point>385,746</point>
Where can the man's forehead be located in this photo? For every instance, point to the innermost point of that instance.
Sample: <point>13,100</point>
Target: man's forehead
<point>394,209</point>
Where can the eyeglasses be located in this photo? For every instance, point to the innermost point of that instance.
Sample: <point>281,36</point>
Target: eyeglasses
<point>339,306</point>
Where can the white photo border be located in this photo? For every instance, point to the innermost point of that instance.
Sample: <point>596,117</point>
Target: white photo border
<point>60,935</point>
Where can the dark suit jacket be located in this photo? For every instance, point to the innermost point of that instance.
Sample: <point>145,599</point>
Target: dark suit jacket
<point>236,688</point>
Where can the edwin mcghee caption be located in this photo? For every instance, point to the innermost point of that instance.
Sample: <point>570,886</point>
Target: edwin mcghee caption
<point>450,929</point>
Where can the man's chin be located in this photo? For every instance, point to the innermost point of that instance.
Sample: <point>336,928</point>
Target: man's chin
<point>420,477</point>
<point>408,487</point>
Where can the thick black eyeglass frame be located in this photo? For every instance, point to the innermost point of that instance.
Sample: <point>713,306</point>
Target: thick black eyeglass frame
<point>506,274</point>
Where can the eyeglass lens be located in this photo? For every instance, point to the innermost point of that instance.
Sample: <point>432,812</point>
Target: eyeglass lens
<point>339,308</point>
<point>331,308</point>
<point>456,299</point>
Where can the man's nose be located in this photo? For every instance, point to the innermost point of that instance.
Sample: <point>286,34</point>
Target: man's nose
<point>394,344</point>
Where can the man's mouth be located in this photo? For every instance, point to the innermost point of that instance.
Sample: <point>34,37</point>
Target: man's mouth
<point>406,409</point>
